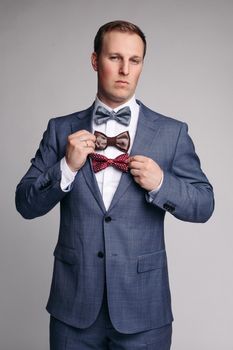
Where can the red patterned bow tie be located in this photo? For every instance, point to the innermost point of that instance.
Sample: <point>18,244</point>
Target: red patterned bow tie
<point>101,162</point>
<point>121,141</point>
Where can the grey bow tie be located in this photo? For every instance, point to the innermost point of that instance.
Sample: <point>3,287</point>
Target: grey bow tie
<point>102,115</point>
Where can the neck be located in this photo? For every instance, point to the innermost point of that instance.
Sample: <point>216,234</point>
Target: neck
<point>114,104</point>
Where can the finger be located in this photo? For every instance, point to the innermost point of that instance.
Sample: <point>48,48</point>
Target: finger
<point>83,135</point>
<point>88,143</point>
<point>90,137</point>
<point>136,179</point>
<point>138,158</point>
<point>79,133</point>
<point>82,141</point>
<point>136,165</point>
<point>135,172</point>
<point>91,143</point>
<point>90,150</point>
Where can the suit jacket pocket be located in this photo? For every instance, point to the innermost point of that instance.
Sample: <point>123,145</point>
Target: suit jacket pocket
<point>65,254</point>
<point>152,261</point>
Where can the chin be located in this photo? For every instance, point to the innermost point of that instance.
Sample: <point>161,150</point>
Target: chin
<point>116,99</point>
<point>122,98</point>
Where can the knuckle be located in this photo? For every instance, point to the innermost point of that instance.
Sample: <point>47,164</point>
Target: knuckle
<point>75,145</point>
<point>71,141</point>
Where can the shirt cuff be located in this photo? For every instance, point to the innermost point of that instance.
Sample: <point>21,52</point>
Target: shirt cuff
<point>152,193</point>
<point>67,176</point>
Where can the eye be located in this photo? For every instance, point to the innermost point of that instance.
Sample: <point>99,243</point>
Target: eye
<point>114,58</point>
<point>136,60</point>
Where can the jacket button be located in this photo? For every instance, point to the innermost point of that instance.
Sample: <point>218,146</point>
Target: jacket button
<point>169,207</point>
<point>108,219</point>
<point>100,255</point>
<point>166,206</point>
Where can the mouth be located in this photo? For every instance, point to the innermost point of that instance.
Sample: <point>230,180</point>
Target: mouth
<point>122,82</point>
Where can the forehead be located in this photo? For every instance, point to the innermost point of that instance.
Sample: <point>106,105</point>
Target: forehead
<point>123,43</point>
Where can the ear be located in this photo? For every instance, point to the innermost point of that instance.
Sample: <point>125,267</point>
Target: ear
<point>94,61</point>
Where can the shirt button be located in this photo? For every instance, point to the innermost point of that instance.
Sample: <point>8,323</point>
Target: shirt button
<point>108,219</point>
<point>100,255</point>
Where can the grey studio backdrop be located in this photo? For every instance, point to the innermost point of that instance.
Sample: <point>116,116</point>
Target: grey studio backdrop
<point>45,72</point>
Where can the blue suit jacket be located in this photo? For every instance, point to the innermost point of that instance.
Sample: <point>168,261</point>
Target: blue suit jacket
<point>130,232</point>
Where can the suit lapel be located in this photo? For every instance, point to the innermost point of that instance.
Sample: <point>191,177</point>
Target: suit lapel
<point>147,129</point>
<point>84,122</point>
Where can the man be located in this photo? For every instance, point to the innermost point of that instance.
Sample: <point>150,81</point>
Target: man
<point>110,286</point>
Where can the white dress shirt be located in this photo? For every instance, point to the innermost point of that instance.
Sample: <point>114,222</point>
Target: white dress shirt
<point>109,178</point>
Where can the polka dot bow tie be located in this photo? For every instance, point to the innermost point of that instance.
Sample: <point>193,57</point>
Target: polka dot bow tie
<point>121,141</point>
<point>102,115</point>
<point>100,162</point>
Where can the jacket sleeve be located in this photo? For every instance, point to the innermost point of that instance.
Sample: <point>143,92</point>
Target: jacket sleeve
<point>39,190</point>
<point>186,192</point>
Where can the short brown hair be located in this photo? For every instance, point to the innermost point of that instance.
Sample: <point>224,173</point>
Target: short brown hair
<point>120,26</point>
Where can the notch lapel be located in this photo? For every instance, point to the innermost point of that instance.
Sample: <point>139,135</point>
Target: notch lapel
<point>84,122</point>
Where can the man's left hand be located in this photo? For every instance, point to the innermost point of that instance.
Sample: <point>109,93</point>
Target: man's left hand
<point>146,172</point>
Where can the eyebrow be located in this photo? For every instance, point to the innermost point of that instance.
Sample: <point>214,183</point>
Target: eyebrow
<point>118,54</point>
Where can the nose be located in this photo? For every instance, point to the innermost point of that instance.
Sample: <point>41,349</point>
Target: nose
<point>124,68</point>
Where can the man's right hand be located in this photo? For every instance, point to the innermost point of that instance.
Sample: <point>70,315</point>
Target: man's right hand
<point>79,145</point>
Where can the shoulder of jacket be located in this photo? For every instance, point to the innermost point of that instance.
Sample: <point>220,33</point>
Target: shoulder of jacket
<point>69,118</point>
<point>172,121</point>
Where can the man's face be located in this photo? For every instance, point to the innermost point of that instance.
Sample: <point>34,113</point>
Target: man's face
<point>118,67</point>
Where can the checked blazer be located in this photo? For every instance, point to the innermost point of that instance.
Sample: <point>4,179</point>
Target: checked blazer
<point>123,247</point>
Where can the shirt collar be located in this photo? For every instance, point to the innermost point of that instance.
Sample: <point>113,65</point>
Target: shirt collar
<point>132,104</point>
